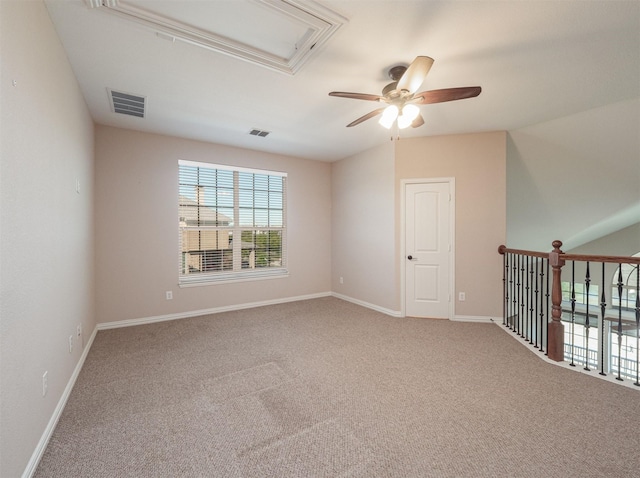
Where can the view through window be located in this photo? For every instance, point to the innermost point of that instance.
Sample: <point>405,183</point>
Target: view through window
<point>625,285</point>
<point>232,222</point>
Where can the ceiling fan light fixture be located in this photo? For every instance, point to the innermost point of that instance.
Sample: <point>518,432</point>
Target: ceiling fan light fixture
<point>403,122</point>
<point>389,116</point>
<point>401,95</point>
<point>409,113</point>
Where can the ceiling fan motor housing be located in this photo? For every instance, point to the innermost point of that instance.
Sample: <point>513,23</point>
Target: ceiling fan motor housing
<point>396,72</point>
<point>389,88</point>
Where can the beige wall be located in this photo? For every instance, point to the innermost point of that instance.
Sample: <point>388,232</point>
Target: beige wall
<point>137,227</point>
<point>47,243</point>
<point>363,228</point>
<point>46,143</point>
<point>478,164</point>
<point>366,222</point>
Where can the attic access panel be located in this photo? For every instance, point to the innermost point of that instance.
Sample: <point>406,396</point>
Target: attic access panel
<point>277,34</point>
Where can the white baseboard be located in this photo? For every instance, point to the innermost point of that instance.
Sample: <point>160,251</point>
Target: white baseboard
<point>53,421</point>
<point>473,318</point>
<point>392,313</point>
<point>214,310</point>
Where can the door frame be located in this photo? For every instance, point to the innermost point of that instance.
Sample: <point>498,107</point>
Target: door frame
<point>452,237</point>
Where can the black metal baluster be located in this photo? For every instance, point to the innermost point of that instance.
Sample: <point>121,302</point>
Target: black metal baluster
<point>505,293</point>
<point>510,289</point>
<point>513,293</point>
<point>637,325</point>
<point>587,282</point>
<point>522,300</point>
<point>603,308</point>
<point>531,302</point>
<point>546,316</point>
<point>542,316</point>
<point>514,300</point>
<point>516,329</point>
<point>525,297</point>
<point>534,318</point>
<point>525,280</point>
<point>573,309</point>
<point>512,260</point>
<point>620,283</point>
<point>525,272</point>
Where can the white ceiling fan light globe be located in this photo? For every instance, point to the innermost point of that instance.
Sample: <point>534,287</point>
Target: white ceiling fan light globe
<point>409,113</point>
<point>389,116</point>
<point>403,122</point>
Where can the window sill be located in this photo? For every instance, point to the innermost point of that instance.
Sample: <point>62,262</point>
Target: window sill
<point>231,277</point>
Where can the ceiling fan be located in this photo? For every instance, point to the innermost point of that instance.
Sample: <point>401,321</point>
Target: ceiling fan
<point>401,97</point>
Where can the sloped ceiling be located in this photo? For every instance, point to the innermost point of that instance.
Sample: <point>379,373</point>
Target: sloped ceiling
<point>535,60</point>
<point>575,178</point>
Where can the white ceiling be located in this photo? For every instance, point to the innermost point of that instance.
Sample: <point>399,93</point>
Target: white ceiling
<point>535,61</point>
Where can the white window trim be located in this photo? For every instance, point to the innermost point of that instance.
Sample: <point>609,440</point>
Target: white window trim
<point>226,167</point>
<point>232,277</point>
<point>205,279</point>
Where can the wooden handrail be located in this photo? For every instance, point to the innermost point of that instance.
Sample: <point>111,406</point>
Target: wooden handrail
<point>574,257</point>
<point>608,259</point>
<point>504,249</point>
<point>557,259</point>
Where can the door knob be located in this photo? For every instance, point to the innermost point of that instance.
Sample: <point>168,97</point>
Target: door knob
<point>410,257</point>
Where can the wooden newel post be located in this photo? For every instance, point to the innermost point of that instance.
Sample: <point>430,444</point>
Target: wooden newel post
<point>555,330</point>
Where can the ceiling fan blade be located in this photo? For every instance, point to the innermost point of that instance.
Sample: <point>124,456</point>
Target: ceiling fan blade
<point>446,94</point>
<point>419,121</point>
<point>357,96</point>
<point>415,74</point>
<point>366,117</point>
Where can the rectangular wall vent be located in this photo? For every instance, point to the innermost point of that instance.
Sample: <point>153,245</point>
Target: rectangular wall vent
<point>127,104</point>
<point>257,132</point>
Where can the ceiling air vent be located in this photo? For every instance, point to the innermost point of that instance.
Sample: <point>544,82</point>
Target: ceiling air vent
<point>127,104</point>
<point>257,132</point>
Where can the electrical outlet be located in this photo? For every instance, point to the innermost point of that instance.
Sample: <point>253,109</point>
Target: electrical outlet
<point>169,295</point>
<point>342,280</point>
<point>462,297</point>
<point>45,383</point>
<point>79,336</point>
<point>70,343</point>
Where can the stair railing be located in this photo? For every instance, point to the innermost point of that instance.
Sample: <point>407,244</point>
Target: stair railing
<point>533,308</point>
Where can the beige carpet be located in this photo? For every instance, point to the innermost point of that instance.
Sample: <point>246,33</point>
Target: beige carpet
<point>324,388</point>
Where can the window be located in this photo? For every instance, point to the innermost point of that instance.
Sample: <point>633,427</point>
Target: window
<point>627,275</point>
<point>232,223</point>
<point>581,293</point>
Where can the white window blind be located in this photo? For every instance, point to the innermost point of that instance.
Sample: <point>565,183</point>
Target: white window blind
<point>232,223</point>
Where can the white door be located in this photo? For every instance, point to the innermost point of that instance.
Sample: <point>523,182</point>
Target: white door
<point>427,249</point>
